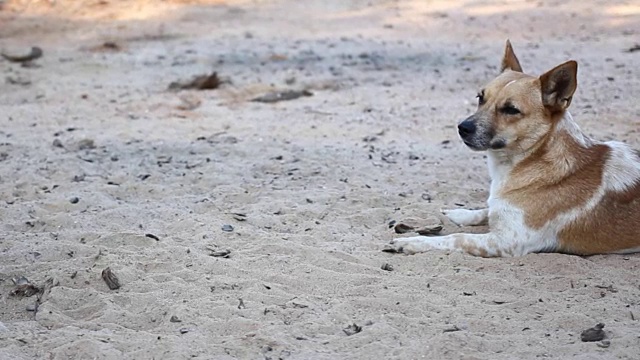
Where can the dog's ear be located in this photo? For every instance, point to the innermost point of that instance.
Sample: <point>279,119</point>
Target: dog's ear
<point>558,85</point>
<point>510,61</point>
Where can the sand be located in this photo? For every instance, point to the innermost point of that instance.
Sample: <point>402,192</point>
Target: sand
<point>316,180</point>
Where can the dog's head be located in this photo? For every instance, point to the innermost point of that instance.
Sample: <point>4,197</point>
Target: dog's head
<point>516,110</point>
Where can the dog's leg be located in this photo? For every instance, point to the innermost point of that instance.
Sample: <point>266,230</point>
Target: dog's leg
<point>485,245</point>
<point>464,217</point>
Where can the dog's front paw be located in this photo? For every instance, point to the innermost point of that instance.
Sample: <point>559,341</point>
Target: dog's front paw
<point>409,245</point>
<point>464,217</point>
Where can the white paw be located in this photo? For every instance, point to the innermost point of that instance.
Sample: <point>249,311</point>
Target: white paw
<point>409,245</point>
<point>464,217</point>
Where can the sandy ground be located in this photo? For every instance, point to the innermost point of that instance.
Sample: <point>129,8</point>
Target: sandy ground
<point>317,178</point>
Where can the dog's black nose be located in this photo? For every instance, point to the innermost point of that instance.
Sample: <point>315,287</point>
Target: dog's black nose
<point>466,128</point>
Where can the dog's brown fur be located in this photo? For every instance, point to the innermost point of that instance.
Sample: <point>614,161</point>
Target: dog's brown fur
<point>552,187</point>
<point>611,227</point>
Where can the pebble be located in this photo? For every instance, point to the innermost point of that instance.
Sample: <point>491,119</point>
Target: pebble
<point>352,329</point>
<point>86,144</point>
<point>593,334</point>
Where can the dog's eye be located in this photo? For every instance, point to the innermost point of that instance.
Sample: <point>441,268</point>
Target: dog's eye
<point>510,110</point>
<point>480,97</point>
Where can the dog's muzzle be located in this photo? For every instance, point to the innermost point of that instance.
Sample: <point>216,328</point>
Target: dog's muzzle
<point>474,134</point>
<point>467,129</point>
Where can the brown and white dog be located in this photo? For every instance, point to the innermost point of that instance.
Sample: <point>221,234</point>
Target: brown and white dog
<point>553,189</point>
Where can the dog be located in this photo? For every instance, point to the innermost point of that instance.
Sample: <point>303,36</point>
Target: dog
<point>553,189</point>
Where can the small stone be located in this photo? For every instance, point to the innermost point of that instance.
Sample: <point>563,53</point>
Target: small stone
<point>20,280</point>
<point>453,328</point>
<point>220,253</point>
<point>593,334</point>
<point>57,143</point>
<point>86,144</point>
<point>227,228</point>
<point>74,200</point>
<point>429,230</point>
<point>175,319</point>
<point>25,290</point>
<point>352,329</point>
<point>432,227</point>
<point>32,307</point>
<point>387,267</point>
<point>111,279</point>
<point>604,344</point>
<point>184,330</point>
